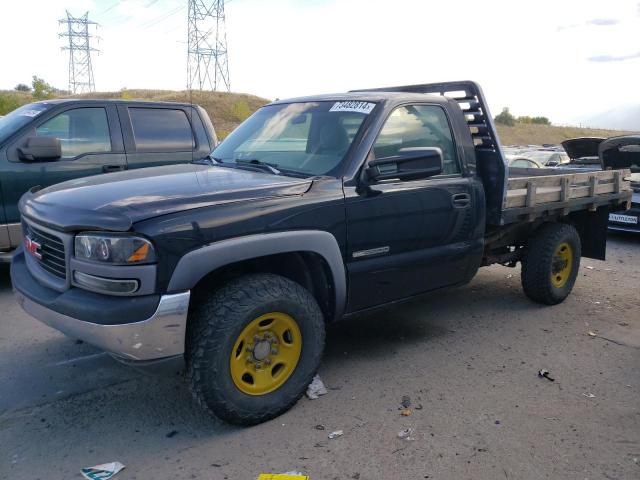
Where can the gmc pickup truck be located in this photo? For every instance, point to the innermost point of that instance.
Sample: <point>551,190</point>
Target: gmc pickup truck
<point>48,142</point>
<point>312,210</point>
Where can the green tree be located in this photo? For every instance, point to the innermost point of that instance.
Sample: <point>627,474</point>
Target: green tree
<point>21,87</point>
<point>540,121</point>
<point>41,89</point>
<point>505,118</point>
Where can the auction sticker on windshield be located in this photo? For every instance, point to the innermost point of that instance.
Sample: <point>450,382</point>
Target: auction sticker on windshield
<point>353,106</point>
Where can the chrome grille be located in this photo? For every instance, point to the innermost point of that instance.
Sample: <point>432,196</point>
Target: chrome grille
<point>52,252</point>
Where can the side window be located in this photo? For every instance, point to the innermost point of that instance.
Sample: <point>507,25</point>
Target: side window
<point>161,129</point>
<point>418,126</point>
<point>81,130</point>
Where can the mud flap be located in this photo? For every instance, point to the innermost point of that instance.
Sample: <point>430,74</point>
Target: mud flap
<point>592,227</point>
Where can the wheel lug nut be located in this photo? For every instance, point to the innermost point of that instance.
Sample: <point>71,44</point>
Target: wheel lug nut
<point>274,351</point>
<point>249,348</point>
<point>258,366</point>
<point>256,338</point>
<point>267,361</point>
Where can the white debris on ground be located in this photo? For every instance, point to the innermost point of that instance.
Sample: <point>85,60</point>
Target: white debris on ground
<point>316,388</point>
<point>102,471</point>
<point>336,434</point>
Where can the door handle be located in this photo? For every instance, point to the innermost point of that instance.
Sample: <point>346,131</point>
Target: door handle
<point>461,200</point>
<point>113,168</point>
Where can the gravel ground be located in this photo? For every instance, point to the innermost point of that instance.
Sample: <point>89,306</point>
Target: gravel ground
<point>467,358</point>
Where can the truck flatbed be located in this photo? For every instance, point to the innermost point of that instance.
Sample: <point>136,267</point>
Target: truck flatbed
<point>532,193</point>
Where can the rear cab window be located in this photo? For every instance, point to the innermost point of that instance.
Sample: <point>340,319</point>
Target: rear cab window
<point>161,129</point>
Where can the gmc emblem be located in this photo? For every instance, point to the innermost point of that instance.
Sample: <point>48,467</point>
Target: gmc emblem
<point>32,247</point>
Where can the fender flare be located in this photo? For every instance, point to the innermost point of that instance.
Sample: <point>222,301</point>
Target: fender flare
<point>194,265</point>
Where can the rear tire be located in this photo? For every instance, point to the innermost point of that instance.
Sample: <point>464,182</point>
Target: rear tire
<point>550,263</point>
<point>253,347</point>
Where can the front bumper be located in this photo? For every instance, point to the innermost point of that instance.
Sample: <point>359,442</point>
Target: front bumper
<point>159,336</point>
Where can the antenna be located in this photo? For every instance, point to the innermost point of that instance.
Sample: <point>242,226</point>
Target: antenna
<point>80,69</point>
<point>207,44</point>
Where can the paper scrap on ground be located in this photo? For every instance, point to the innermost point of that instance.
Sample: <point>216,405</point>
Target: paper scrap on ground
<point>405,434</point>
<point>316,388</point>
<point>336,434</point>
<point>102,472</point>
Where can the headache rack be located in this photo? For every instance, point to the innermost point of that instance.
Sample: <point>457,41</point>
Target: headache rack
<point>490,162</point>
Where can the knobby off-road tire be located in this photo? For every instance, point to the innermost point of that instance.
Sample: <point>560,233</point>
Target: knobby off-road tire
<point>220,338</point>
<point>550,263</point>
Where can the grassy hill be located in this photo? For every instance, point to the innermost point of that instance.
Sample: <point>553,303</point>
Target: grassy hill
<point>529,134</point>
<point>227,110</point>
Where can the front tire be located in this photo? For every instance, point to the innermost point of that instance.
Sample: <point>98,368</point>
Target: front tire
<point>253,347</point>
<point>550,263</point>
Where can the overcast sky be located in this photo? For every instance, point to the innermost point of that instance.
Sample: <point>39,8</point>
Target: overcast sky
<point>565,59</point>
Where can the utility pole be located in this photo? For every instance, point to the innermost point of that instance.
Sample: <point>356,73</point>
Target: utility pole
<point>207,66</point>
<point>80,69</point>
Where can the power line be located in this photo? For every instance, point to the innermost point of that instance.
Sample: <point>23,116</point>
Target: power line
<point>162,18</point>
<point>207,46</point>
<point>80,69</point>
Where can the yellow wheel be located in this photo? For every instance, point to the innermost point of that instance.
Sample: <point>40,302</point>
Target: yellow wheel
<point>562,265</point>
<point>550,263</point>
<point>266,353</point>
<point>253,346</point>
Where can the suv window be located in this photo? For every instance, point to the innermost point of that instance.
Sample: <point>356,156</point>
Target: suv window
<point>163,129</point>
<point>81,130</point>
<point>418,126</point>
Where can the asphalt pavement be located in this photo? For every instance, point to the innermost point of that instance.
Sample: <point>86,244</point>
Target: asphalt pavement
<point>468,359</point>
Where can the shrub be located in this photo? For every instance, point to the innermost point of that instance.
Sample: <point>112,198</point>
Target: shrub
<point>505,118</point>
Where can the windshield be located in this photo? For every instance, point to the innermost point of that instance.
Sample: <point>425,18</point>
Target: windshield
<point>19,118</point>
<point>310,138</point>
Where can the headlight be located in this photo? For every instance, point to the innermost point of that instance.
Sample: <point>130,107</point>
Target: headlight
<point>114,249</point>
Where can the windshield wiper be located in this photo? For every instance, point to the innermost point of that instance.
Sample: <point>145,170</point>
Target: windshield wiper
<point>208,160</point>
<point>269,167</point>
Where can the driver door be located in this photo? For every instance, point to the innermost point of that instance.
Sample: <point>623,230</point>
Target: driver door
<point>409,237</point>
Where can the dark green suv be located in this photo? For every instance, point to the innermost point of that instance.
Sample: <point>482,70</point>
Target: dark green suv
<point>48,142</point>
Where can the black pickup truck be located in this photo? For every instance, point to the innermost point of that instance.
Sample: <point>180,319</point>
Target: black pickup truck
<point>48,142</point>
<point>312,210</point>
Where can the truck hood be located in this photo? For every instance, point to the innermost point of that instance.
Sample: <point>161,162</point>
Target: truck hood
<point>582,147</point>
<point>117,200</point>
<point>621,152</point>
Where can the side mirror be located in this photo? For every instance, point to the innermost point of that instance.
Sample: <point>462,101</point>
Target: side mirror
<point>40,148</point>
<point>408,164</point>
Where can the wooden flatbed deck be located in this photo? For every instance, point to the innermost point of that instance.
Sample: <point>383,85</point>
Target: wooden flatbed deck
<point>530,194</point>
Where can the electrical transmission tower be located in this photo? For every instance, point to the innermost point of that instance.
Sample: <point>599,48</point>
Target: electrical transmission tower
<point>80,69</point>
<point>208,66</point>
